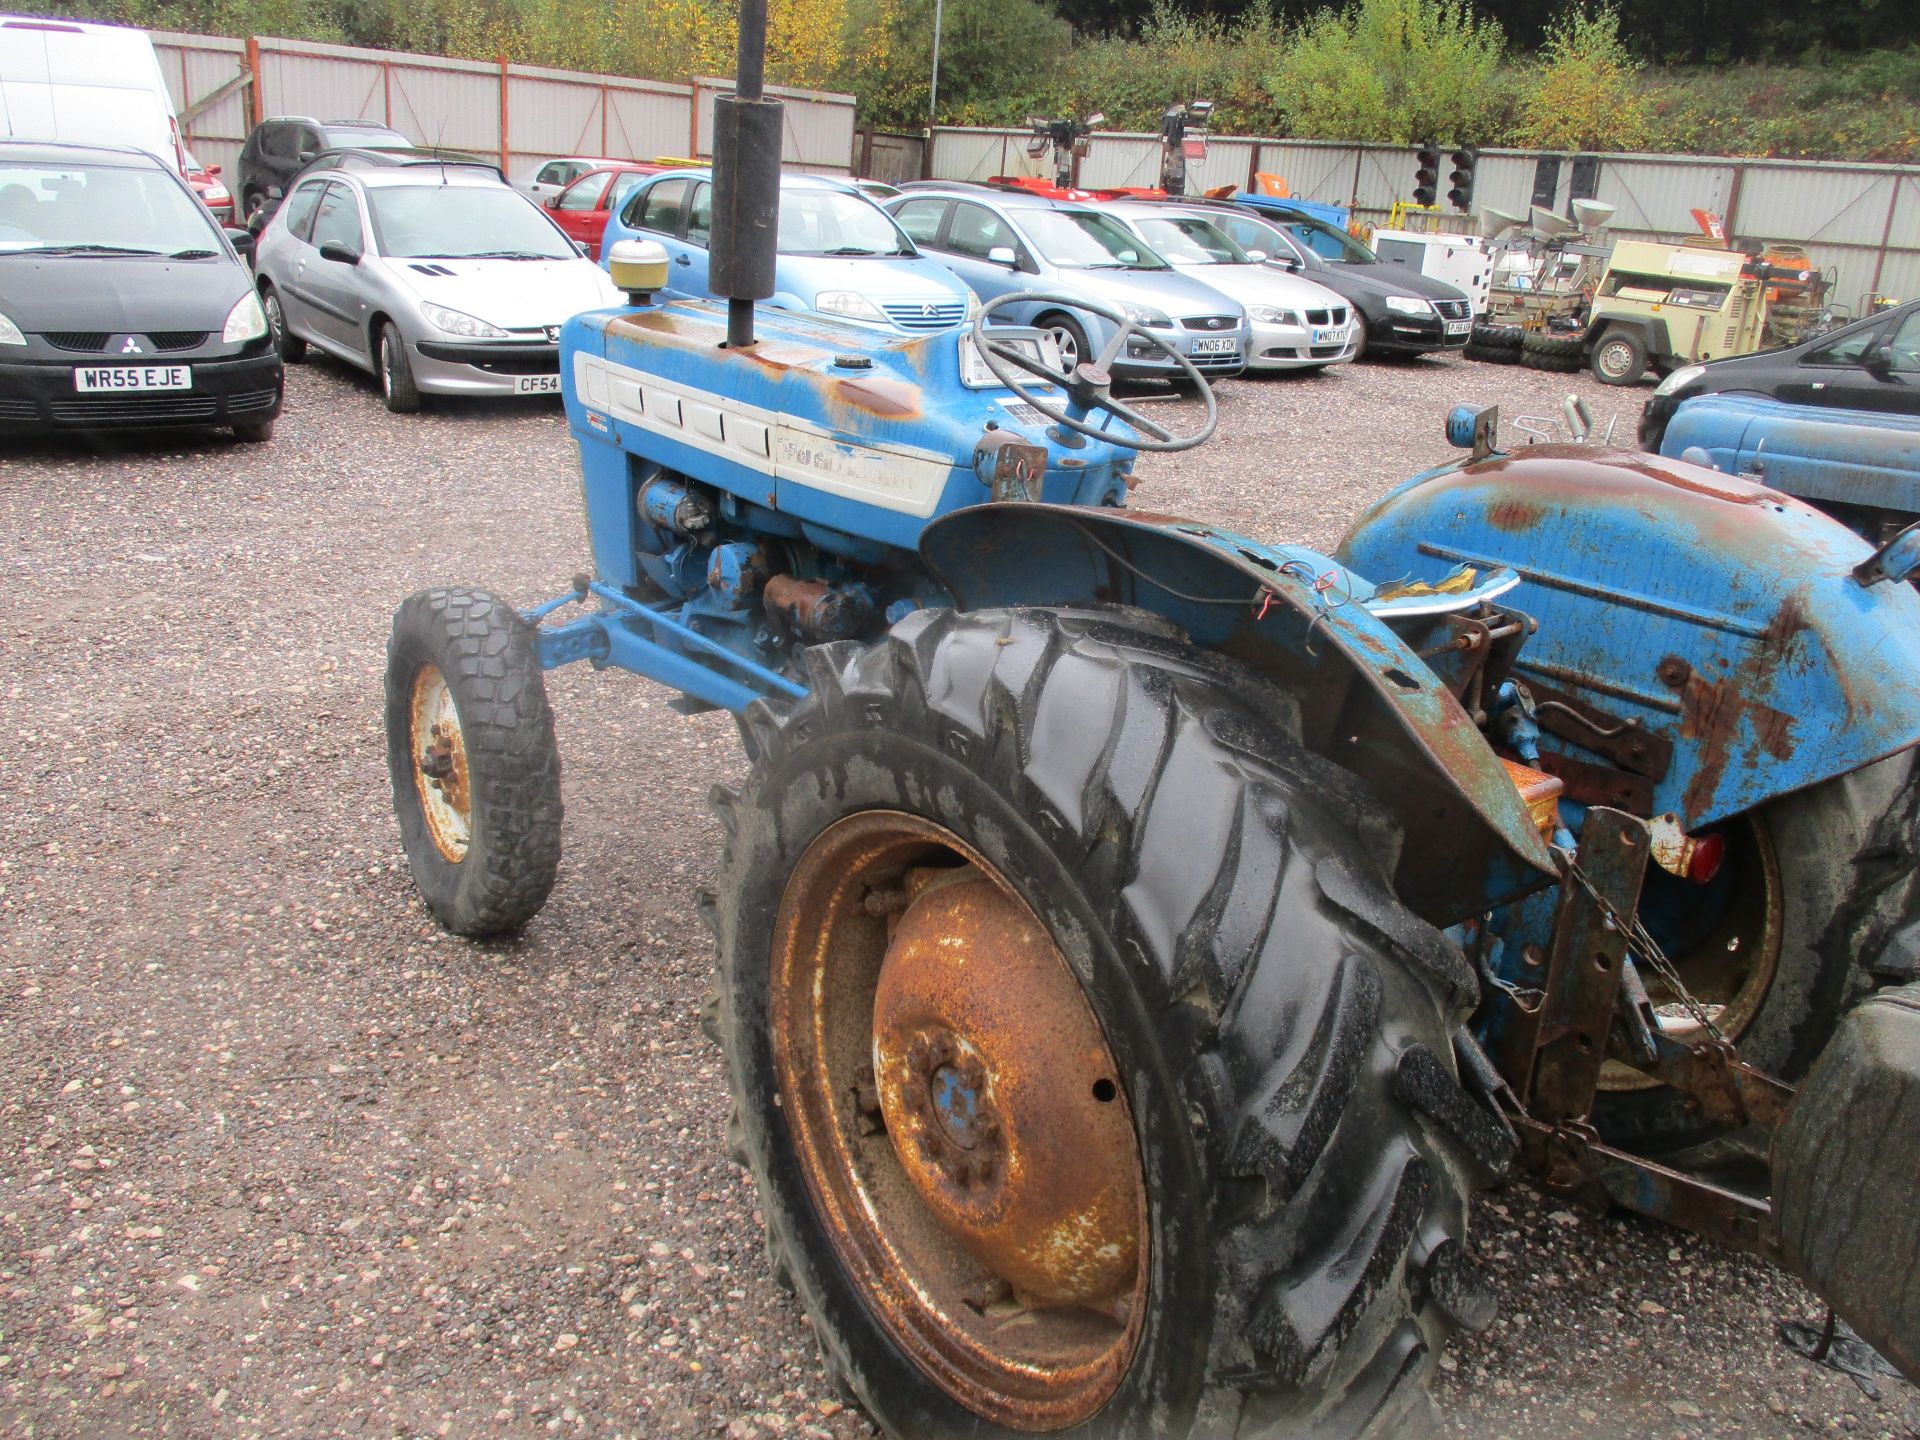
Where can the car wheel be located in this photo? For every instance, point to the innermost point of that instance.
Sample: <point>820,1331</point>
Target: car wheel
<point>1072,339</point>
<point>1619,359</point>
<point>1359,335</point>
<point>291,347</point>
<point>397,386</point>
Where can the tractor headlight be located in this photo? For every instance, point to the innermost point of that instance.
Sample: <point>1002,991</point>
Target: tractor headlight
<point>1409,305</point>
<point>10,333</point>
<point>1272,315</point>
<point>850,303</point>
<point>467,327</point>
<point>1145,315</point>
<point>246,321</point>
<point>1680,379</point>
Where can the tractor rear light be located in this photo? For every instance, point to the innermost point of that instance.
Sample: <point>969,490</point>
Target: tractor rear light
<point>1540,792</point>
<point>1696,858</point>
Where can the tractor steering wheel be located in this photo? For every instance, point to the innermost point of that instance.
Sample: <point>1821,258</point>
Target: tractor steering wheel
<point>1089,386</point>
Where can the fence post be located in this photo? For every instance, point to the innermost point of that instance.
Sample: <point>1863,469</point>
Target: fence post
<point>1886,235</point>
<point>1353,201</point>
<point>257,99</point>
<point>503,114</point>
<point>1732,223</point>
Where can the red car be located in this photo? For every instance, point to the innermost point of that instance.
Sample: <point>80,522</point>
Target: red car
<point>583,207</point>
<point>206,183</point>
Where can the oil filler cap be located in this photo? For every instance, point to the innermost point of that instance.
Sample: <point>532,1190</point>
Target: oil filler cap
<point>854,362</point>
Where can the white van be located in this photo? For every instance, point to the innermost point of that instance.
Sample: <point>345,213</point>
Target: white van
<point>85,84</point>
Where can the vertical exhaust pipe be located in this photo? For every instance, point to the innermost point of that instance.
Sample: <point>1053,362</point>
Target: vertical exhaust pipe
<point>747,134</point>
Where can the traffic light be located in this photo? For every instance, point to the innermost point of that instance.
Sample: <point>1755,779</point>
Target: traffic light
<point>1426,180</point>
<point>1464,159</point>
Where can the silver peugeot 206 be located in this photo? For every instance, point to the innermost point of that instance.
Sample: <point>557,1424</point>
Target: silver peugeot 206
<point>438,278</point>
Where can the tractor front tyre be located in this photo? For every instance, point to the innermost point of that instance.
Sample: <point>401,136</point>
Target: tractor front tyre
<point>1093,1080</point>
<point>470,751</point>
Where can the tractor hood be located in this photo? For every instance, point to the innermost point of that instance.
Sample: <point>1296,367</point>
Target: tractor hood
<point>1714,613</point>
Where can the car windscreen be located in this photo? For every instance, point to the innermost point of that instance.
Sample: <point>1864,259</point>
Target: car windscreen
<point>454,222</point>
<point>1196,241</point>
<point>356,139</point>
<point>832,222</point>
<point>101,209</point>
<point>1331,244</point>
<point>1082,240</point>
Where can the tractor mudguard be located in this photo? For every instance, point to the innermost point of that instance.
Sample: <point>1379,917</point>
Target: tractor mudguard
<point>1719,615</point>
<point>1365,699</point>
<point>1847,457</point>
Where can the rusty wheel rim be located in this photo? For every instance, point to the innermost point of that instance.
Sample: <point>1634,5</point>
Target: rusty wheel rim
<point>1732,970</point>
<point>439,750</point>
<point>962,1127</point>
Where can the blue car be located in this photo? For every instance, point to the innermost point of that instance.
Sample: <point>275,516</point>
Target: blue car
<point>840,254</point>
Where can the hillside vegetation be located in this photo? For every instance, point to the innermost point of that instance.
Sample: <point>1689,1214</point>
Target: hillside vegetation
<point>1381,70</point>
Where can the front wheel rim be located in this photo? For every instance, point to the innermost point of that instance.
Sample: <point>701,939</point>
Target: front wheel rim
<point>387,363</point>
<point>1616,360</point>
<point>966,1140</point>
<point>275,321</point>
<point>438,747</point>
<point>1069,344</point>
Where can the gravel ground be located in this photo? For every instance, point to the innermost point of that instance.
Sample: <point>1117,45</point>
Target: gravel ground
<point>282,1158</point>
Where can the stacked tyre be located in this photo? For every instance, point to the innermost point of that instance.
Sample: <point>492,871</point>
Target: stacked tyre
<point>1495,344</point>
<point>1542,351</point>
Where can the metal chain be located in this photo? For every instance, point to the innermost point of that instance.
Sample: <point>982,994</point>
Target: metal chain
<point>1646,948</point>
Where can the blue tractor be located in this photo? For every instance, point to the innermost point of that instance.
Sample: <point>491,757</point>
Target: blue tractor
<point>1135,939</point>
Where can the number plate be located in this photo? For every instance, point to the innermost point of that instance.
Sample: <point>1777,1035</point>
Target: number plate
<point>1459,327</point>
<point>1330,335</point>
<point>536,384</point>
<point>1216,345</point>
<point>133,377</point>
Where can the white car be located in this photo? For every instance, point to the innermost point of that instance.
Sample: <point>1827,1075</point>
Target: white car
<point>1296,324</point>
<point>439,279</point>
<point>551,177</point>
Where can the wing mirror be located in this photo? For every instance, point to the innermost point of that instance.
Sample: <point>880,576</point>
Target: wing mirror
<point>213,169</point>
<point>1880,360</point>
<point>306,155</point>
<point>339,251</point>
<point>1256,255</point>
<point>1003,255</point>
<point>241,240</point>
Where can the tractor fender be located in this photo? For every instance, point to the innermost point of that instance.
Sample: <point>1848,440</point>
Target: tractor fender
<point>1651,330</point>
<point>1711,610</point>
<point>1865,458</point>
<point>1361,697</point>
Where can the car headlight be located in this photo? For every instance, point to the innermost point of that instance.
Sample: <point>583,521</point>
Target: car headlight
<point>466,326</point>
<point>1679,379</point>
<point>1272,315</point>
<point>1409,305</point>
<point>850,303</point>
<point>1144,315</point>
<point>10,333</point>
<point>246,321</point>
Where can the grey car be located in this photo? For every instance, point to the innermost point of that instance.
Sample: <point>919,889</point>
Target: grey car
<point>441,280</point>
<point>1003,241</point>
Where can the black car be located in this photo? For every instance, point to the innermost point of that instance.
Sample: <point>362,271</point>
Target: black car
<point>1872,364</point>
<point>280,148</point>
<point>122,303</point>
<point>1401,311</point>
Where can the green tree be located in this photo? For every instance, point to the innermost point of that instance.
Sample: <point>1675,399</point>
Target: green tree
<point>1584,91</point>
<point>994,56</point>
<point>1392,70</point>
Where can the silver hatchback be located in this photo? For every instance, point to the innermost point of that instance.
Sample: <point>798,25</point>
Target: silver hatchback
<point>440,280</point>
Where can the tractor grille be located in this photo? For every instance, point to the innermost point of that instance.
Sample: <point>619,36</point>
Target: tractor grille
<point>1453,309</point>
<point>932,315</point>
<point>1335,316</point>
<point>85,341</point>
<point>1212,322</point>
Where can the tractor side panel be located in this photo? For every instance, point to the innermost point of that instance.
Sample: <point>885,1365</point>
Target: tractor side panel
<point>1847,457</point>
<point>1714,612</point>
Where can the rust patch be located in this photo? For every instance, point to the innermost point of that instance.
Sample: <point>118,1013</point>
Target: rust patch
<point>1515,515</point>
<point>1711,710</point>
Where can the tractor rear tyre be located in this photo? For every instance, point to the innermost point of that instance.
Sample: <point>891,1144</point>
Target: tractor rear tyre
<point>1541,351</point>
<point>470,751</point>
<point>1815,883</point>
<point>1093,1081</point>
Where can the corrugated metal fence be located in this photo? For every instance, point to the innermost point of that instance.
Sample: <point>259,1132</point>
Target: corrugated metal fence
<point>523,114</point>
<point>1861,220</point>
